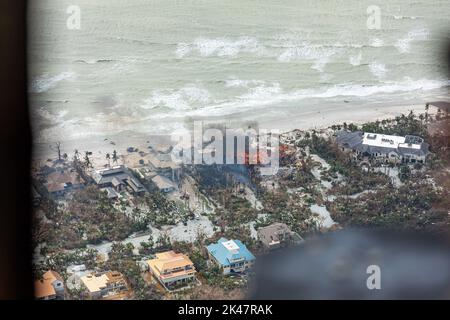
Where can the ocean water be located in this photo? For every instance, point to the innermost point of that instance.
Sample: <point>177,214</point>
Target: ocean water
<point>152,66</point>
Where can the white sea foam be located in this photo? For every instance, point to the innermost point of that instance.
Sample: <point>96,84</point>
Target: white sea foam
<point>53,117</point>
<point>376,42</point>
<point>182,49</point>
<point>220,47</point>
<point>319,54</point>
<point>182,99</point>
<point>276,94</point>
<point>192,101</point>
<point>273,94</point>
<point>356,60</point>
<point>378,69</point>
<point>237,83</point>
<point>293,46</point>
<point>47,82</point>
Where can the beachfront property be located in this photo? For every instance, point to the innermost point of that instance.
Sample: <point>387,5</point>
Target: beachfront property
<point>162,164</point>
<point>108,285</point>
<point>61,181</point>
<point>118,179</point>
<point>278,235</point>
<point>163,184</point>
<point>49,287</point>
<point>442,106</point>
<point>383,148</point>
<point>172,270</point>
<point>232,256</point>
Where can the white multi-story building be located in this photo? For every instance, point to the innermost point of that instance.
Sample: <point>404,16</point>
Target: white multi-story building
<point>384,148</point>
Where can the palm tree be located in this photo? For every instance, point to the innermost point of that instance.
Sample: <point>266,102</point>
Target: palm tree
<point>114,156</point>
<point>58,149</point>
<point>56,146</point>
<point>76,155</point>
<point>87,161</point>
<point>108,157</point>
<point>421,117</point>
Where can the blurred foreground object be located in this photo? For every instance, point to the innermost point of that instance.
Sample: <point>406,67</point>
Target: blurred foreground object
<point>15,142</point>
<point>344,264</point>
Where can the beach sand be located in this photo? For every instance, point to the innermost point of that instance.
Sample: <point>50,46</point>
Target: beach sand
<point>303,120</point>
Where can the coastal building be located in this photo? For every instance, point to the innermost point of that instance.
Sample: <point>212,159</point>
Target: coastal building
<point>278,235</point>
<point>49,287</point>
<point>118,178</point>
<point>61,181</point>
<point>111,193</point>
<point>108,285</point>
<point>442,106</point>
<point>231,255</point>
<point>163,184</point>
<point>172,269</point>
<point>76,268</point>
<point>383,148</point>
<point>162,164</point>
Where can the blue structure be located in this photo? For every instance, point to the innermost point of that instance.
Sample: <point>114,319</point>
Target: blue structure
<point>231,255</point>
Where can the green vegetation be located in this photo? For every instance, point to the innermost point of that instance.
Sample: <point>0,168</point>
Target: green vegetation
<point>401,126</point>
<point>89,217</point>
<point>59,261</point>
<point>121,259</point>
<point>407,207</point>
<point>282,207</point>
<point>235,211</point>
<point>154,208</point>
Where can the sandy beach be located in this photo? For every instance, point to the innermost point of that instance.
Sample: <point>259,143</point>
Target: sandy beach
<point>305,120</point>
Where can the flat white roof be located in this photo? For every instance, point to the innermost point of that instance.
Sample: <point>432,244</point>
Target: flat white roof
<point>387,141</point>
<point>230,245</point>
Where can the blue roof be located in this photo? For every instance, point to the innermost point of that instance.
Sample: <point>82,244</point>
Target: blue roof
<point>225,255</point>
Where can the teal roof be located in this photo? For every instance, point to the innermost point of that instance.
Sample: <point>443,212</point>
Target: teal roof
<point>225,256</point>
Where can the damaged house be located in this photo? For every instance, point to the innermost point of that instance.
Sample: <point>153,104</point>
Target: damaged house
<point>118,179</point>
<point>381,148</point>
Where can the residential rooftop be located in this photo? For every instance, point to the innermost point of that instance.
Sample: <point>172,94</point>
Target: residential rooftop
<point>43,287</point>
<point>162,182</point>
<point>170,264</point>
<point>227,251</point>
<point>98,282</point>
<point>118,175</point>
<point>276,233</point>
<point>60,180</point>
<point>382,143</point>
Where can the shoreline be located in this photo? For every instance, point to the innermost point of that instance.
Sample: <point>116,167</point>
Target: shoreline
<point>306,120</point>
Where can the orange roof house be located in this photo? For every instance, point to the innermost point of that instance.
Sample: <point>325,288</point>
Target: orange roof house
<point>172,269</point>
<point>50,287</point>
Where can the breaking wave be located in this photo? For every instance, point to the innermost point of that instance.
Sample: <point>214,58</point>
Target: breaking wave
<point>271,93</point>
<point>182,99</point>
<point>47,82</point>
<point>220,47</point>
